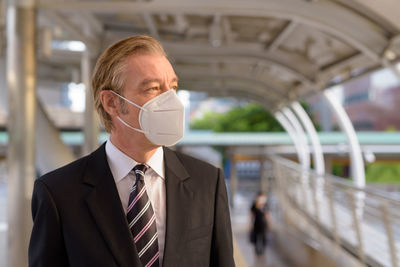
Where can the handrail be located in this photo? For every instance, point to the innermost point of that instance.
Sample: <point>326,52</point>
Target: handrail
<point>338,180</point>
<point>364,221</point>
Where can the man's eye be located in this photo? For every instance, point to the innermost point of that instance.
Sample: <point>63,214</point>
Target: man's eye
<point>175,88</point>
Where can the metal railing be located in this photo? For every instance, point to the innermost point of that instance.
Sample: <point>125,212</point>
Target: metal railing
<point>363,221</point>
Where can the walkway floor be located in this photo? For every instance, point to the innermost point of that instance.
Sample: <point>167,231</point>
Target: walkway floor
<point>240,222</point>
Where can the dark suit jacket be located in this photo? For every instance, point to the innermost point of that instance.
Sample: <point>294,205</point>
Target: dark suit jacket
<point>79,220</point>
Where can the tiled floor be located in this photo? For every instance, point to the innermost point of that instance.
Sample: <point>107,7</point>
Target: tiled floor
<point>240,222</point>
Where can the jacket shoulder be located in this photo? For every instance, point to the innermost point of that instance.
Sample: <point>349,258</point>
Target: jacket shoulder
<point>190,161</point>
<point>203,173</point>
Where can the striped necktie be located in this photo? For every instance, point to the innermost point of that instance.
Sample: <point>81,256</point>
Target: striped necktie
<point>142,220</point>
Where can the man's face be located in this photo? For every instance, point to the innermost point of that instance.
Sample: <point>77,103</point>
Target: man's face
<point>147,76</point>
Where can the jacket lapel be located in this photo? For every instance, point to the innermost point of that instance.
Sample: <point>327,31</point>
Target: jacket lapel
<point>105,207</point>
<point>178,199</point>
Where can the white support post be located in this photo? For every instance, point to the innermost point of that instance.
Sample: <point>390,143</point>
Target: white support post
<point>312,133</point>
<point>91,121</point>
<point>284,121</point>
<point>234,178</point>
<point>356,223</point>
<point>316,196</point>
<point>21,79</point>
<point>3,87</point>
<point>304,175</point>
<point>280,183</point>
<point>292,133</point>
<point>357,164</point>
<point>317,155</point>
<point>335,230</point>
<point>263,175</point>
<point>387,222</point>
<point>301,136</point>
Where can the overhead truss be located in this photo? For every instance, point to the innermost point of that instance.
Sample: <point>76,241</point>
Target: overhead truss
<point>294,48</point>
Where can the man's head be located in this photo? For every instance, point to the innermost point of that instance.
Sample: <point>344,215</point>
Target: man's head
<point>112,70</point>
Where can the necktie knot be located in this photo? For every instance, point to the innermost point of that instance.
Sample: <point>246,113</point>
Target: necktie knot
<point>140,170</point>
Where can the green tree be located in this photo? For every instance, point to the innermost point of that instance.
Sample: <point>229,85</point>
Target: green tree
<point>383,173</point>
<point>249,118</point>
<point>209,121</point>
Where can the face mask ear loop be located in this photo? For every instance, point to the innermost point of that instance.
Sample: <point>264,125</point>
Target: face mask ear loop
<point>127,100</point>
<point>127,125</point>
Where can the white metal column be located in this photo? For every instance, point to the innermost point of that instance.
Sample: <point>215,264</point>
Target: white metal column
<point>263,174</point>
<point>305,151</point>
<point>292,133</point>
<point>91,122</point>
<point>300,135</point>
<point>317,155</point>
<point>3,85</point>
<point>21,79</point>
<point>356,160</point>
<point>312,133</point>
<point>233,181</point>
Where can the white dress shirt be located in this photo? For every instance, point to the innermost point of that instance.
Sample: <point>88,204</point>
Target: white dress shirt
<point>154,179</point>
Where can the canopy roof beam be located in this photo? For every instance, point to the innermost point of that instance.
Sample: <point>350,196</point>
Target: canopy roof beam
<point>280,38</point>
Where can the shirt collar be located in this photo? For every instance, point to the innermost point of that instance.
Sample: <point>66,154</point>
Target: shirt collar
<point>156,162</point>
<point>121,164</point>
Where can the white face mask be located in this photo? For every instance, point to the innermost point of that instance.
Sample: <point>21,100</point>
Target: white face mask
<point>161,119</point>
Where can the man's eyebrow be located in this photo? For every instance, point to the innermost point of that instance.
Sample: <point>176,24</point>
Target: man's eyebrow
<point>147,81</point>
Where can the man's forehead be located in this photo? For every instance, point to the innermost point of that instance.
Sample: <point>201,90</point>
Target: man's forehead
<point>149,63</point>
<point>142,57</point>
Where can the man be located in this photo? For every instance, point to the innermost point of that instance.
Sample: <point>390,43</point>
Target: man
<point>133,202</point>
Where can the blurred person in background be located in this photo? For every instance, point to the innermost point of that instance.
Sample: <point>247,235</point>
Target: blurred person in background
<point>133,202</point>
<point>259,223</point>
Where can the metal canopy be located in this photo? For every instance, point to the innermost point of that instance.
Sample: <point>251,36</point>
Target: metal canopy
<point>274,52</point>
<point>281,50</point>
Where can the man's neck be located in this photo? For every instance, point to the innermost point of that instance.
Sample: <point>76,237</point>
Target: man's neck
<point>139,151</point>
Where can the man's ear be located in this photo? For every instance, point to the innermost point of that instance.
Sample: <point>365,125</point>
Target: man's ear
<point>109,102</point>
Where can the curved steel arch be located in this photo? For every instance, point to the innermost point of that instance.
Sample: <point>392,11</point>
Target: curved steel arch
<point>285,123</point>
<point>300,134</point>
<point>297,62</point>
<point>356,159</point>
<point>318,157</point>
<point>254,84</point>
<point>238,92</point>
<point>249,59</point>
